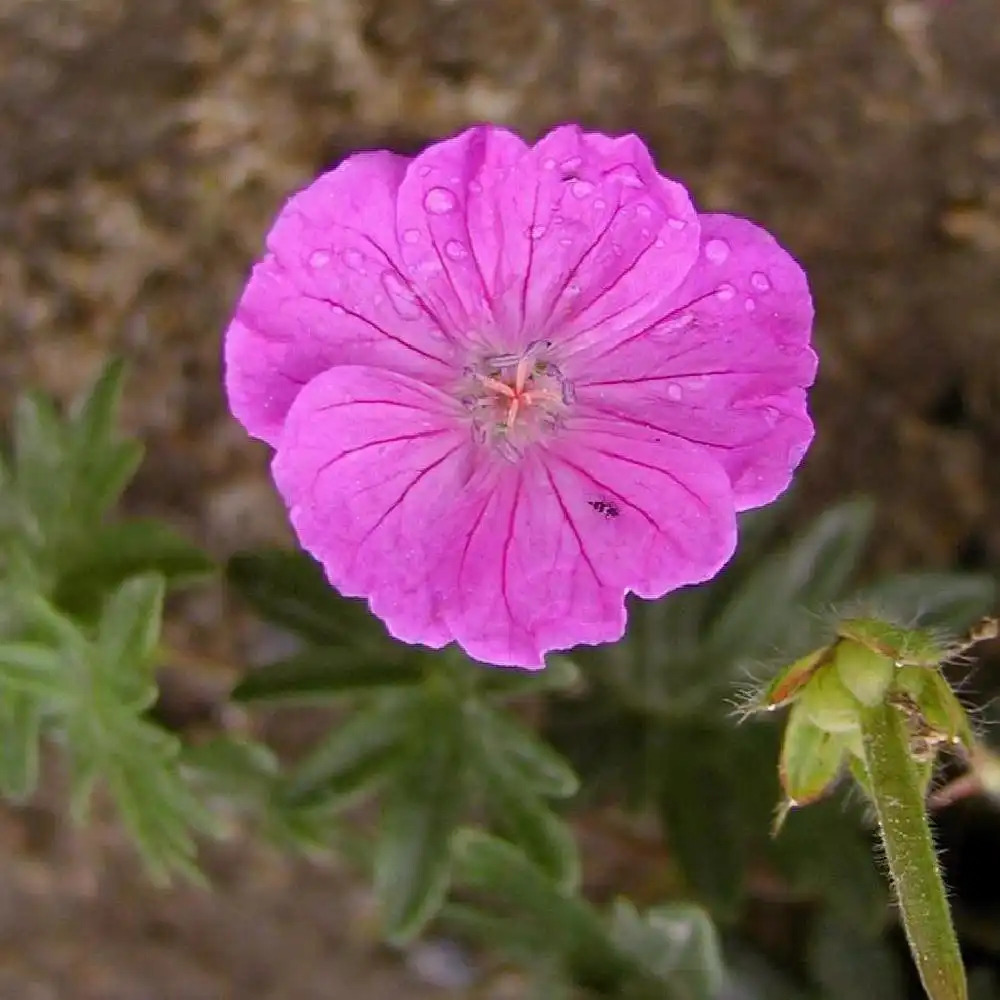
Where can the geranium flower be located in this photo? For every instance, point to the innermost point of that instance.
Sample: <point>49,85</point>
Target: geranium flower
<point>507,385</point>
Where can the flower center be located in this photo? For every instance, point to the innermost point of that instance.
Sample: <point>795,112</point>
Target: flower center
<point>515,398</point>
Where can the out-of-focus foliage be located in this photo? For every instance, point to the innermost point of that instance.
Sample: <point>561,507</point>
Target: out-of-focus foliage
<point>81,596</point>
<point>474,783</point>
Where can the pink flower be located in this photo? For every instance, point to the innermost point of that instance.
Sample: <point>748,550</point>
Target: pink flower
<point>507,384</point>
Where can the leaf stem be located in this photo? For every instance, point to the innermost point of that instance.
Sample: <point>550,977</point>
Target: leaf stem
<point>897,790</point>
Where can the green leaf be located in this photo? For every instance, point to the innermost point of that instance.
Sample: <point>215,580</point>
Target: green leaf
<point>114,552</point>
<point>813,571</point>
<point>129,628</point>
<point>675,945</point>
<point>95,414</point>
<point>420,809</point>
<point>525,820</point>
<point>33,670</point>
<point>104,465</point>
<point>530,761</point>
<point>290,590</point>
<point>946,600</point>
<point>20,734</point>
<point>563,923</point>
<point>233,766</point>
<point>39,441</point>
<point>356,755</point>
<point>321,674</point>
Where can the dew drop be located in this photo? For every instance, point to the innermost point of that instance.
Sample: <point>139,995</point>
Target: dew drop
<point>319,258</point>
<point>402,297</point>
<point>455,250</point>
<point>411,236</point>
<point>535,232</point>
<point>760,281</point>
<point>677,224</point>
<point>424,171</point>
<point>355,260</point>
<point>627,174</point>
<point>439,201</point>
<point>749,305</point>
<point>581,189</point>
<point>572,163</point>
<point>548,163</point>
<point>675,392</point>
<point>475,187</point>
<point>643,210</point>
<point>600,204</point>
<point>725,292</point>
<point>717,251</point>
<point>566,241</point>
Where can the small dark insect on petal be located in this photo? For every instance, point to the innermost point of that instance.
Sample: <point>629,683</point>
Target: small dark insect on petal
<point>605,508</point>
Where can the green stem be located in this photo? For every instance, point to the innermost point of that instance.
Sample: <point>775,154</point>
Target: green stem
<point>897,789</point>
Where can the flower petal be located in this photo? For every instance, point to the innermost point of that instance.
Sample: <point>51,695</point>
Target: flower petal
<point>372,465</point>
<point>573,528</point>
<point>578,229</point>
<point>330,292</point>
<point>725,367</point>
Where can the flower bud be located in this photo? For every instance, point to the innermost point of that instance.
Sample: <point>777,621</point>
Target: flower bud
<point>866,673</point>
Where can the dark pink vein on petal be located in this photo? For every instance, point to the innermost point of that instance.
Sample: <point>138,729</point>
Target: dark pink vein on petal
<point>374,444</point>
<point>385,333</point>
<point>506,557</point>
<point>573,528</point>
<point>623,500</point>
<point>656,468</point>
<point>424,307</point>
<point>531,260</point>
<point>650,328</point>
<point>402,496</point>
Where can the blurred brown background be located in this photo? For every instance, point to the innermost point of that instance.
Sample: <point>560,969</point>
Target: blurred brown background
<point>146,144</point>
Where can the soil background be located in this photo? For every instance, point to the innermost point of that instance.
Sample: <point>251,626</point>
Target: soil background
<point>145,145</point>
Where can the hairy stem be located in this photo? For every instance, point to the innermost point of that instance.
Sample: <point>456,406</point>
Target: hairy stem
<point>897,789</point>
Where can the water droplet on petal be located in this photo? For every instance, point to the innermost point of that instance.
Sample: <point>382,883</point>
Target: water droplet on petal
<point>627,174</point>
<point>439,201</point>
<point>548,163</point>
<point>581,189</point>
<point>319,258</point>
<point>717,251</point>
<point>566,241</point>
<point>355,260</point>
<point>677,224</point>
<point>455,250</point>
<point>475,187</point>
<point>771,415</point>
<point>424,171</point>
<point>411,236</point>
<point>725,292</point>
<point>643,210</point>
<point>600,204</point>
<point>535,232</point>
<point>760,281</point>
<point>572,163</point>
<point>402,297</point>
<point>675,392</point>
<point>749,305</point>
